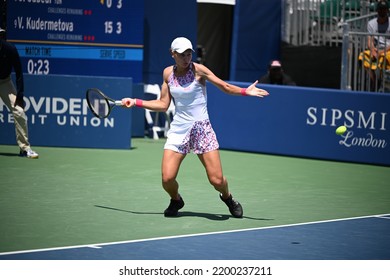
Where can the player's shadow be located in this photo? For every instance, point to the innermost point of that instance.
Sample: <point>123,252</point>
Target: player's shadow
<point>214,217</point>
<point>9,155</point>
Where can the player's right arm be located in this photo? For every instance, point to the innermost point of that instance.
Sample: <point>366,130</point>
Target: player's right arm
<point>157,105</point>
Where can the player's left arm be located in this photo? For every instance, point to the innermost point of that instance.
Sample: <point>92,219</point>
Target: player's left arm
<point>206,74</point>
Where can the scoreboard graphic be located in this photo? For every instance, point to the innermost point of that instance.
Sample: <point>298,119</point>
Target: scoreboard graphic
<point>68,37</point>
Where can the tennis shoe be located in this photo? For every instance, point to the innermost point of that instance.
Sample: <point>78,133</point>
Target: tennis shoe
<point>28,154</point>
<point>174,207</point>
<point>234,206</point>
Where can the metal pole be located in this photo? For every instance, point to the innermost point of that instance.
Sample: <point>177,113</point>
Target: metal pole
<point>344,58</point>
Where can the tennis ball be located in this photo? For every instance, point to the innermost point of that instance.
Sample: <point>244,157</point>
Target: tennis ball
<point>341,130</point>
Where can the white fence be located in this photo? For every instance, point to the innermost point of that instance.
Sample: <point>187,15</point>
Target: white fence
<point>359,71</point>
<point>339,23</point>
<point>320,22</point>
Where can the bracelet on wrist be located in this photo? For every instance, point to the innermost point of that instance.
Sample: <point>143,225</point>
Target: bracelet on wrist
<point>243,92</point>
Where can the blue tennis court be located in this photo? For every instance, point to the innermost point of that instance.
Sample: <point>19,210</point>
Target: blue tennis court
<point>362,238</point>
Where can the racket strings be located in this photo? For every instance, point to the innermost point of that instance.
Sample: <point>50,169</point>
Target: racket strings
<point>98,103</point>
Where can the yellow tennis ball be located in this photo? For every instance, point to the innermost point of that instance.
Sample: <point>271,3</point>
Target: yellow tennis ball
<point>341,130</point>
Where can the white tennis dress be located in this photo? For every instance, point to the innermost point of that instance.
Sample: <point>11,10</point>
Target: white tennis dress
<point>190,128</point>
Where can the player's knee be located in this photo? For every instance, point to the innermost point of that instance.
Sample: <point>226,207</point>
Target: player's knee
<point>218,182</point>
<point>168,180</point>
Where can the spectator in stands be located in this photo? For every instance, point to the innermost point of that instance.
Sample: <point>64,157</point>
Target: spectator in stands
<point>12,98</point>
<point>377,46</point>
<point>276,75</point>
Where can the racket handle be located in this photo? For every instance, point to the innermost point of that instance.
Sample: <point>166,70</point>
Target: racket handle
<point>118,102</point>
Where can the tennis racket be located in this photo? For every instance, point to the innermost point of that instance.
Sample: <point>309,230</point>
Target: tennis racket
<point>99,103</point>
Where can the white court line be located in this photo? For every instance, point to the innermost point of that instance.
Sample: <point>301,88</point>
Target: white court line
<point>99,245</point>
<point>383,217</point>
<point>94,246</point>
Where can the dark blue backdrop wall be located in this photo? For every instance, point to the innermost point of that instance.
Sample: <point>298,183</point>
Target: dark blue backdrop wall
<point>256,38</point>
<point>164,21</point>
<point>256,34</point>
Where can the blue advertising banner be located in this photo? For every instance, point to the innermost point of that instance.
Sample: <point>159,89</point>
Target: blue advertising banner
<point>301,122</point>
<point>58,113</point>
<point>90,37</point>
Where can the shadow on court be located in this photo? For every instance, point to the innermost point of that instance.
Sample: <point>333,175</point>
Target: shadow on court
<point>9,154</point>
<point>209,216</point>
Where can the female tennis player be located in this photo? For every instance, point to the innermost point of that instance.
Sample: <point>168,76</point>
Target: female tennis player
<point>190,129</point>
